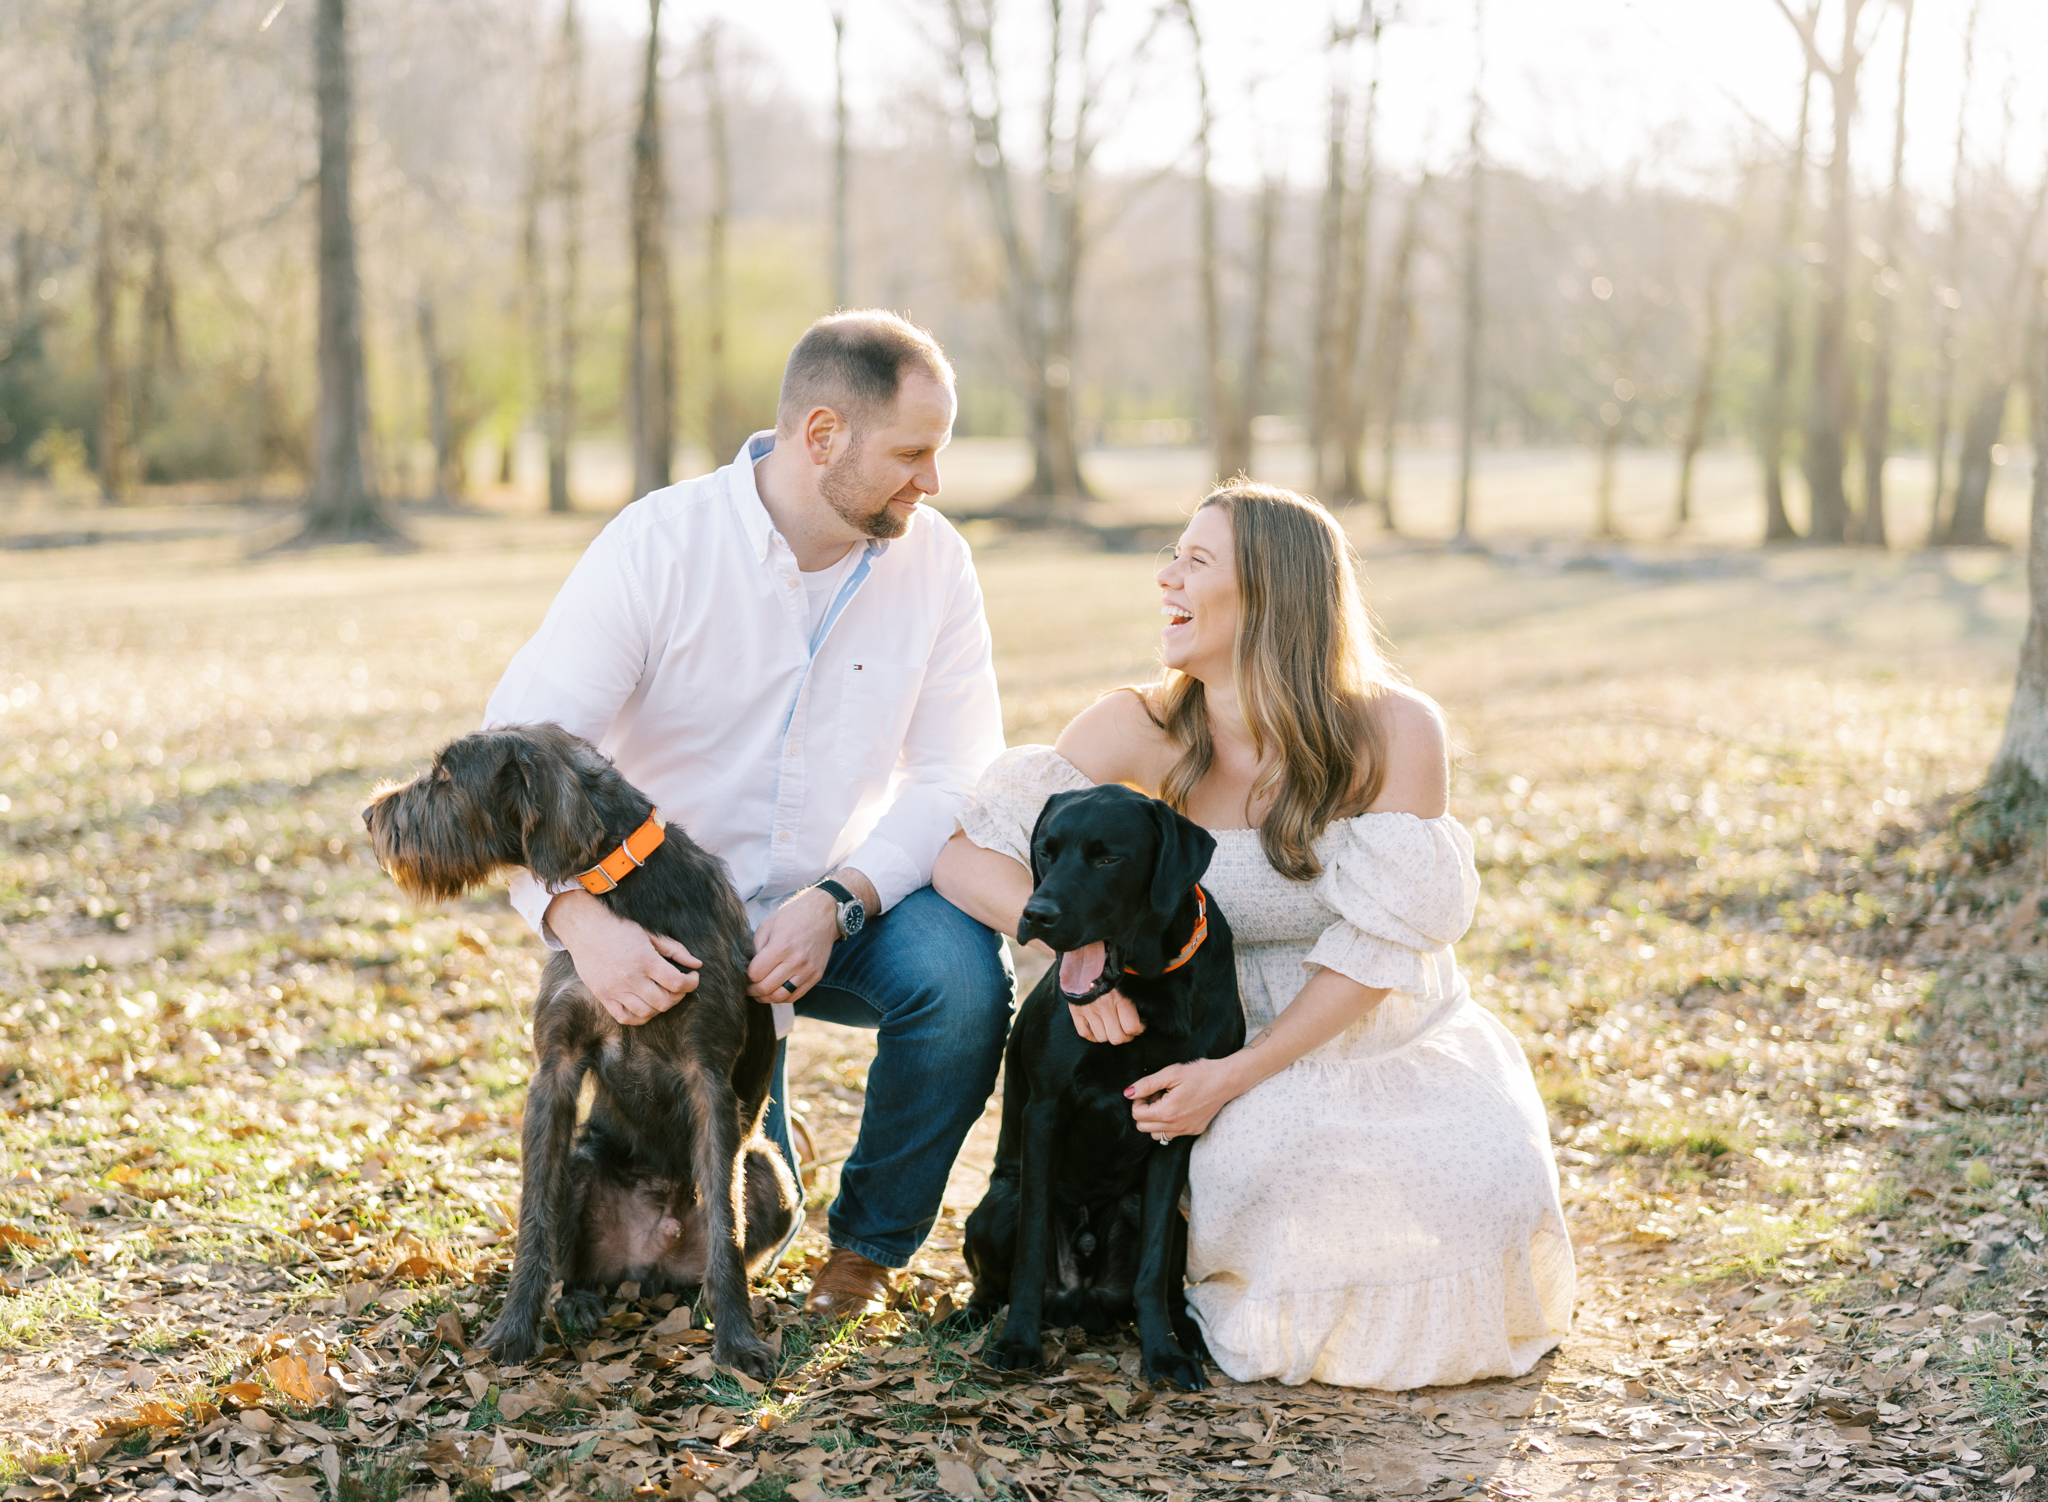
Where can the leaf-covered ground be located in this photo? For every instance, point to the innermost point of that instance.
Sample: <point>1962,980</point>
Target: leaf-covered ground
<point>258,1152</point>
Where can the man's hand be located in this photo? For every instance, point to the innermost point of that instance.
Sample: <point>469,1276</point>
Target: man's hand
<point>1109,1018</point>
<point>794,943</point>
<point>633,974</point>
<point>1181,1099</point>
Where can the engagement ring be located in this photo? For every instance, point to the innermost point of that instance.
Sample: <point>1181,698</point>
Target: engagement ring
<point>1164,1137</point>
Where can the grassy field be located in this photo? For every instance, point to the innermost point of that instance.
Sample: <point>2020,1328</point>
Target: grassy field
<point>258,1144</point>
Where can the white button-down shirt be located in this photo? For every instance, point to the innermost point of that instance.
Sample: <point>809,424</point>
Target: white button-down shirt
<point>680,645</point>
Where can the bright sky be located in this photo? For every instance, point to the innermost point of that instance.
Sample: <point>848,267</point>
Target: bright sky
<point>1673,89</point>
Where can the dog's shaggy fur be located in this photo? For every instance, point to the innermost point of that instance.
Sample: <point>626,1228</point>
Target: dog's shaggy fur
<point>669,1183</point>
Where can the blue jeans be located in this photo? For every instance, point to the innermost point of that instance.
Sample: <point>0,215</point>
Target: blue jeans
<point>937,987</point>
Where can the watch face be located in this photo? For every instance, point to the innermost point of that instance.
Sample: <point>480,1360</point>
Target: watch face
<point>851,917</point>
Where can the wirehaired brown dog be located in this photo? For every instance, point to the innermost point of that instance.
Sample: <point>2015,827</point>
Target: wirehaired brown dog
<point>669,1183</point>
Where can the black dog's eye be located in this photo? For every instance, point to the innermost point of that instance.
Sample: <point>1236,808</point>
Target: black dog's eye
<point>1107,860</point>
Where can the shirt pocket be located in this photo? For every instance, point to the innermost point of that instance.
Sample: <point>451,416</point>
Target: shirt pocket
<point>876,700</point>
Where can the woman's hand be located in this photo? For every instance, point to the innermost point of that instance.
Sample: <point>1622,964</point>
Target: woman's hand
<point>1182,1099</point>
<point>1109,1018</point>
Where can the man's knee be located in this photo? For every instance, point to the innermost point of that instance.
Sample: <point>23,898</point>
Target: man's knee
<point>938,956</point>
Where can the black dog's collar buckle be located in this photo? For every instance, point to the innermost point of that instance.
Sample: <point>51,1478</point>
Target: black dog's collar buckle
<point>1194,939</point>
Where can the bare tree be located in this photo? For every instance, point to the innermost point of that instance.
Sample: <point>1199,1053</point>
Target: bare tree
<point>1948,294</point>
<point>1468,364</point>
<point>1234,386</point>
<point>1701,409</point>
<point>342,504</point>
<point>1877,416</point>
<point>1966,518</point>
<point>728,431</point>
<point>1337,311</point>
<point>1040,281</point>
<point>554,246</point>
<point>1393,335</point>
<point>1827,412</point>
<point>651,339</point>
<point>1777,401</point>
<point>115,446</point>
<point>444,424</point>
<point>842,248</point>
<point>2011,808</point>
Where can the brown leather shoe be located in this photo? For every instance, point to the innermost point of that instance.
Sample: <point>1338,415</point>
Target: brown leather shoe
<point>848,1286</point>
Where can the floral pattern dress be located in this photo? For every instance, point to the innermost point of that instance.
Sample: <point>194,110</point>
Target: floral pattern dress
<point>1384,1211</point>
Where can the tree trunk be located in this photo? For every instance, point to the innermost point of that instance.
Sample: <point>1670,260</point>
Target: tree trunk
<point>1777,520</point>
<point>442,429</point>
<point>1702,396</point>
<point>114,450</point>
<point>1948,295</point>
<point>1392,334</point>
<point>842,248</point>
<point>1232,457</point>
<point>1973,466</point>
<point>1468,364</point>
<point>2025,744</point>
<point>727,430</point>
<point>1828,407</point>
<point>651,340</point>
<point>1326,306</point>
<point>1966,518</point>
<point>1258,334</point>
<point>343,504</point>
<point>1604,529</point>
<point>1877,416</point>
<point>559,395</point>
<point>1039,282</point>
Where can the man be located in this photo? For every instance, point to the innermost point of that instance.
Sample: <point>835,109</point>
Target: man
<point>789,656</point>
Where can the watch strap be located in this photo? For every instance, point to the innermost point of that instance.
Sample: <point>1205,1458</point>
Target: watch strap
<point>839,893</point>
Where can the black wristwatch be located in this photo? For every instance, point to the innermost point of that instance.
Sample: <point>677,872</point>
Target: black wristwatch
<point>852,912</point>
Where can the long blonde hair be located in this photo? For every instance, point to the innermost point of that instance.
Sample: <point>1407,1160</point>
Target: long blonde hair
<point>1307,668</point>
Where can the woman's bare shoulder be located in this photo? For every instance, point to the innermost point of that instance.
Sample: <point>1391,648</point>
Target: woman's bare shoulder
<point>1417,776</point>
<point>1115,739</point>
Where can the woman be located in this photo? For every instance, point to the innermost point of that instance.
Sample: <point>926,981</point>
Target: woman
<point>1373,1201</point>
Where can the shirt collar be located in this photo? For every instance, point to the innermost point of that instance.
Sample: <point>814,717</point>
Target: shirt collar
<point>746,497</point>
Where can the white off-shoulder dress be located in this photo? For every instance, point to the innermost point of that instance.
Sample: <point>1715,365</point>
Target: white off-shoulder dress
<point>1384,1212</point>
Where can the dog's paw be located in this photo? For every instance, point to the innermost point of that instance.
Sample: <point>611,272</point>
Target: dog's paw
<point>747,1353</point>
<point>512,1341</point>
<point>579,1312</point>
<point>1173,1367</point>
<point>1007,1355</point>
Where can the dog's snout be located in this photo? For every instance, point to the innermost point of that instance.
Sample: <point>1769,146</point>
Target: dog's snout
<point>1041,913</point>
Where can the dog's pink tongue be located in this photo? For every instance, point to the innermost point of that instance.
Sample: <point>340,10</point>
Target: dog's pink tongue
<point>1081,968</point>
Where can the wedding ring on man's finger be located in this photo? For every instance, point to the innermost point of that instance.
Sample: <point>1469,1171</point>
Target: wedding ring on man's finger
<point>790,985</point>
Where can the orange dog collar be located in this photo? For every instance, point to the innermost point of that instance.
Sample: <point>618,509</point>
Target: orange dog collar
<point>1194,939</point>
<point>628,858</point>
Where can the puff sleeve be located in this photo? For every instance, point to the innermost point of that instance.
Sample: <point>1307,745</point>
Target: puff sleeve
<point>1404,889</point>
<point>1010,794</point>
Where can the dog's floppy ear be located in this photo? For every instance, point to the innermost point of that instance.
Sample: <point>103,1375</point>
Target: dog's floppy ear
<point>1045,812</point>
<point>1184,851</point>
<point>558,828</point>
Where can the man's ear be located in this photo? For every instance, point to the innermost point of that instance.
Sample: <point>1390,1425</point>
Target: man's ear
<point>821,426</point>
<point>1184,851</point>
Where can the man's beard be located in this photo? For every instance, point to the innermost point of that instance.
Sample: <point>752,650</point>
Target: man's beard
<point>841,487</point>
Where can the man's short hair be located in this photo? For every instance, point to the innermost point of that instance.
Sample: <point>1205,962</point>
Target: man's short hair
<point>854,364</point>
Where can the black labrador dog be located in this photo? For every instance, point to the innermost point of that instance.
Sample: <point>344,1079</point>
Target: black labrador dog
<point>1082,1222</point>
<point>669,1183</point>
